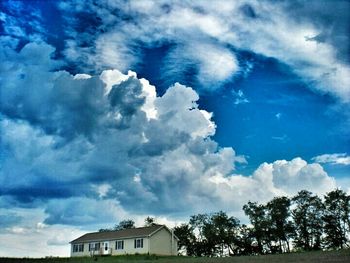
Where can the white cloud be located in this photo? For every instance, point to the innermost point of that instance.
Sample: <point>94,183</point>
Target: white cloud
<point>271,179</point>
<point>215,64</point>
<point>125,144</point>
<point>37,242</point>
<point>205,35</point>
<point>239,97</point>
<point>110,148</point>
<point>278,115</point>
<point>335,158</point>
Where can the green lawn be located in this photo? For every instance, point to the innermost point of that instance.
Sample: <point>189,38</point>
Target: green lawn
<point>307,257</point>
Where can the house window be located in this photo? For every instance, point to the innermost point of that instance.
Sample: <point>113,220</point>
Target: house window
<point>78,247</point>
<point>138,243</point>
<point>94,246</point>
<point>119,244</point>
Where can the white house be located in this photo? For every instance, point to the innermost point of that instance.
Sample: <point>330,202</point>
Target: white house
<point>156,239</point>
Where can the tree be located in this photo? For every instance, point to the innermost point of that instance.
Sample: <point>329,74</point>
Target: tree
<point>336,218</point>
<point>186,237</point>
<point>282,228</point>
<point>125,224</point>
<point>244,241</point>
<point>307,217</point>
<point>201,246</point>
<point>220,232</point>
<point>258,218</point>
<point>105,230</point>
<point>150,221</point>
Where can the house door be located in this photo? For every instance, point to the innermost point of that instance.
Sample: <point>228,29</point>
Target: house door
<point>105,249</point>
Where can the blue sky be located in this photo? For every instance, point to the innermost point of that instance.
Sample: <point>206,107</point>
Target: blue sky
<point>114,109</point>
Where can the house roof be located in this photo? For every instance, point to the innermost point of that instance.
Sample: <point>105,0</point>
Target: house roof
<point>119,234</point>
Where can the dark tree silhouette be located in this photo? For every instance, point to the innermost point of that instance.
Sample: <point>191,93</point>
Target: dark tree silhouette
<point>125,224</point>
<point>221,232</point>
<point>311,225</point>
<point>258,218</point>
<point>244,242</point>
<point>150,221</point>
<point>282,228</point>
<point>307,217</point>
<point>186,237</point>
<point>336,219</point>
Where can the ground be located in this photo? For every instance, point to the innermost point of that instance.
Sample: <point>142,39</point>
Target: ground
<point>307,257</point>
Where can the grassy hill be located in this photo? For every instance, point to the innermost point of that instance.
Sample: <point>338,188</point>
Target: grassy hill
<point>307,257</point>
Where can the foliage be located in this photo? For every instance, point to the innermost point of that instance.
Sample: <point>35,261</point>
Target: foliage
<point>307,217</point>
<point>258,218</point>
<point>150,221</point>
<point>125,224</point>
<point>336,219</point>
<point>281,228</point>
<point>303,220</point>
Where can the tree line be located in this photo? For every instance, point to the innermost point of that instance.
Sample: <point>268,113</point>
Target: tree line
<point>129,223</point>
<point>303,222</point>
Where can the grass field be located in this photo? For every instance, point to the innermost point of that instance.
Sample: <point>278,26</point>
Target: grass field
<point>307,257</point>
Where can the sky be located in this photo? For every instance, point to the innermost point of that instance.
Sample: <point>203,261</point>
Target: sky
<point>111,110</point>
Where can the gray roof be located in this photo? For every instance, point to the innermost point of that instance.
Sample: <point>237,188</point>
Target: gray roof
<point>119,234</point>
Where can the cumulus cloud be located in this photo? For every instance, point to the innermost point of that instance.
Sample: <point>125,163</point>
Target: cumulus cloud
<point>272,179</point>
<point>335,158</point>
<point>70,136</point>
<point>101,146</point>
<point>109,141</point>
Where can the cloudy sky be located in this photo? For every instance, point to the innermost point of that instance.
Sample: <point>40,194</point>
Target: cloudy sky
<point>114,109</point>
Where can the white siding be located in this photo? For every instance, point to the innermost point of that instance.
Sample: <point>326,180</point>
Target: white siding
<point>80,254</point>
<point>129,248</point>
<point>161,242</point>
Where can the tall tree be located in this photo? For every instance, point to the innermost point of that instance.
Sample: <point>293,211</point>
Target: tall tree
<point>282,228</point>
<point>125,224</point>
<point>258,218</point>
<point>244,241</point>
<point>150,221</point>
<point>221,232</point>
<point>307,217</point>
<point>336,219</point>
<point>202,247</point>
<point>187,238</point>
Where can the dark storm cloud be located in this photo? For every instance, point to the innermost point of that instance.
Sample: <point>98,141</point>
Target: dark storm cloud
<point>80,211</point>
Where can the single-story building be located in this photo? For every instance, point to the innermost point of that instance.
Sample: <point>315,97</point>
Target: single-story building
<point>156,239</point>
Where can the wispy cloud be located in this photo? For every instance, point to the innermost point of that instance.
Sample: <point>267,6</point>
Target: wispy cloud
<point>334,159</point>
<point>239,97</point>
<point>207,37</point>
<point>278,115</point>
